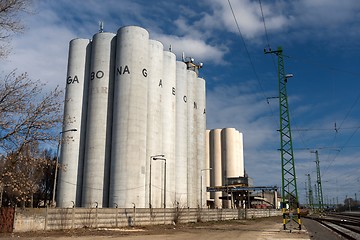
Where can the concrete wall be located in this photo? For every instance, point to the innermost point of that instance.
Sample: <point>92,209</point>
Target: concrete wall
<point>66,218</point>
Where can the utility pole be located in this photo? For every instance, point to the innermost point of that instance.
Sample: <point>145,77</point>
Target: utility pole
<point>289,187</point>
<point>318,181</point>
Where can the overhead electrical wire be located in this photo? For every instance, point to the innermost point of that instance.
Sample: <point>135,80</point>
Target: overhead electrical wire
<point>248,55</point>
<point>266,33</point>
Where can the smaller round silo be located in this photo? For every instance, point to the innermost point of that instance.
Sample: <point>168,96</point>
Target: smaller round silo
<point>206,175</point>
<point>72,144</point>
<point>99,118</point>
<point>230,153</point>
<point>240,154</point>
<point>181,134</point>
<point>216,165</point>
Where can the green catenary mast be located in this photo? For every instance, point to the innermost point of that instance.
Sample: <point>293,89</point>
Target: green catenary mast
<point>289,189</point>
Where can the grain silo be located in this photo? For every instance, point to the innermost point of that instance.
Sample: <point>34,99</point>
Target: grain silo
<point>128,155</point>
<point>168,105</point>
<point>145,119</point>
<point>193,195</point>
<point>99,117</point>
<point>154,123</point>
<point>240,154</point>
<point>72,144</point>
<point>200,121</point>
<point>206,173</point>
<point>181,134</point>
<point>216,165</point>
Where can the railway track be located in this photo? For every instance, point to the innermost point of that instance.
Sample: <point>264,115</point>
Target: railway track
<point>346,225</point>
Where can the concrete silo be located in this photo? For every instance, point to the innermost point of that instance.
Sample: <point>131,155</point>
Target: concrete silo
<point>99,118</point>
<point>192,168</point>
<point>200,121</point>
<point>168,105</point>
<point>181,180</point>
<point>216,165</point>
<point>206,175</point>
<point>72,145</point>
<point>154,123</point>
<point>240,153</point>
<point>128,156</point>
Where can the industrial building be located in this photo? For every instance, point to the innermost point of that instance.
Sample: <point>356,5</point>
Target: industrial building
<point>134,130</point>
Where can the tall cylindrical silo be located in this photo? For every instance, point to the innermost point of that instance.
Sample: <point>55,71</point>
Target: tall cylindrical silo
<point>230,152</point>
<point>168,123</point>
<point>229,161</point>
<point>207,174</point>
<point>99,118</point>
<point>181,180</point>
<point>72,145</point>
<point>128,156</point>
<point>200,121</point>
<point>240,147</point>
<point>154,124</point>
<point>192,149</point>
<point>216,165</point>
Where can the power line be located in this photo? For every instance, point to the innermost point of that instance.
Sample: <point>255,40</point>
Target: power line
<point>249,57</point>
<point>266,34</point>
<point>322,129</point>
<point>246,49</point>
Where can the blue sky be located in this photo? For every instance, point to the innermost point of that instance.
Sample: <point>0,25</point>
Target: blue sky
<point>321,41</point>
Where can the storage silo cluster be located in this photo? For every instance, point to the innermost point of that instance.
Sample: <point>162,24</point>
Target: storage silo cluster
<point>225,158</point>
<point>140,123</point>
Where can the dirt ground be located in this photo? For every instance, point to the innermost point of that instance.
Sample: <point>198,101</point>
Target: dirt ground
<point>264,228</point>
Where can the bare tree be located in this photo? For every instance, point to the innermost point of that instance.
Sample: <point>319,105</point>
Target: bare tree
<point>27,118</point>
<point>10,21</point>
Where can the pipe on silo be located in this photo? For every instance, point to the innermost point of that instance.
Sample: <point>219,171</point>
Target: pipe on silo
<point>99,118</point>
<point>128,156</point>
<point>200,121</point>
<point>154,124</point>
<point>169,123</point>
<point>72,144</point>
<point>181,180</point>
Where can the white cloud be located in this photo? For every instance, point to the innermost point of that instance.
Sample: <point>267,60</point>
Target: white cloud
<point>197,48</point>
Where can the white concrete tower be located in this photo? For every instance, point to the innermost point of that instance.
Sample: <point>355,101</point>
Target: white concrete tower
<point>240,154</point>
<point>154,124</point>
<point>181,134</point>
<point>192,169</point>
<point>72,144</point>
<point>200,121</point>
<point>99,118</point>
<point>207,173</point>
<point>216,165</point>
<point>128,156</point>
<point>169,125</point>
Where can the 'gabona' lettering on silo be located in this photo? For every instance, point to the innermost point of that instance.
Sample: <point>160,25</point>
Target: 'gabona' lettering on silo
<point>196,107</point>
<point>126,70</point>
<point>71,80</point>
<point>99,74</point>
<point>173,89</point>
